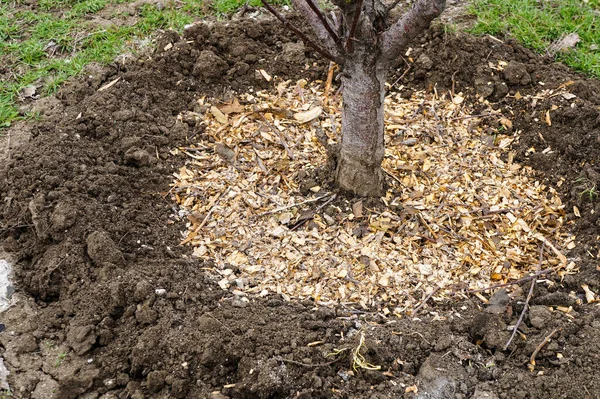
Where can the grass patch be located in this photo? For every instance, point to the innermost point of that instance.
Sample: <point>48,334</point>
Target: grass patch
<point>539,23</point>
<point>52,42</point>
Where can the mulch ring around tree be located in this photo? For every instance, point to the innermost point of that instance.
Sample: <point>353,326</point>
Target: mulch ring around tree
<point>110,304</point>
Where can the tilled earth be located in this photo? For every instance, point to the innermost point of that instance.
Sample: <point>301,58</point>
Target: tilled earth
<point>110,306</point>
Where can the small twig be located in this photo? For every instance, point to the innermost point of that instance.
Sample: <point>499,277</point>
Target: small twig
<point>402,76</point>
<point>298,32</point>
<point>281,138</point>
<point>221,323</point>
<point>427,298</point>
<point>514,282</point>
<point>280,359</point>
<point>537,350</point>
<point>471,117</point>
<point>526,305</point>
<point>355,19</point>
<point>283,208</point>
<point>334,196</point>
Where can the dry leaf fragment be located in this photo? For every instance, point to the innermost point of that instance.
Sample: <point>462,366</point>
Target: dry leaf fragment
<point>568,96</point>
<point>564,44</point>
<point>576,211</point>
<point>307,116</point>
<point>458,99</point>
<point>518,96</point>
<point>233,107</point>
<point>219,116</point>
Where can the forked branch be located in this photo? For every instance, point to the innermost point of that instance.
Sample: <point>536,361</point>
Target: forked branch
<point>415,21</point>
<point>300,34</point>
<point>355,19</point>
<point>325,24</point>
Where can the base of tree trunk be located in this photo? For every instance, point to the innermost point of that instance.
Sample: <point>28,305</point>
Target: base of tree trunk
<point>357,178</point>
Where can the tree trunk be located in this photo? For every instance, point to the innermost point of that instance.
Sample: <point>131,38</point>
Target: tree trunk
<point>362,149</point>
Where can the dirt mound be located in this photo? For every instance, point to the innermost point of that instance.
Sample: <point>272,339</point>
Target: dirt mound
<point>112,307</point>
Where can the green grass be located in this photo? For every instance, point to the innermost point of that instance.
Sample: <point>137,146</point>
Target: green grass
<point>538,23</point>
<point>52,42</point>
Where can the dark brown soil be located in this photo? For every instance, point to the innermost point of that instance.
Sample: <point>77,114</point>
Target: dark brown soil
<point>110,306</point>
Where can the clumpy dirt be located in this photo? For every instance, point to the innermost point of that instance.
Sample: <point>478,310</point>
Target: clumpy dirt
<point>111,307</point>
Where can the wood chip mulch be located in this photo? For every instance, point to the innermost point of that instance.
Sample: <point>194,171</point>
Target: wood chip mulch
<point>458,211</point>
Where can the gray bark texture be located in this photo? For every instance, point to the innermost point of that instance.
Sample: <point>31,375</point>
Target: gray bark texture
<point>363,41</point>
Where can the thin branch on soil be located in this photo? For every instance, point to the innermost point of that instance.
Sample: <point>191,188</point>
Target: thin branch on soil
<point>432,293</point>
<point>471,117</point>
<point>298,32</point>
<point>281,138</point>
<point>526,305</point>
<point>221,323</point>
<point>355,19</point>
<point>283,208</point>
<point>515,282</point>
<point>280,359</point>
<point>537,350</point>
<point>401,76</point>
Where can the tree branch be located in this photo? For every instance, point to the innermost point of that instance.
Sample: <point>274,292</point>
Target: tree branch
<point>305,7</point>
<point>325,24</point>
<point>300,34</point>
<point>415,21</point>
<point>355,19</point>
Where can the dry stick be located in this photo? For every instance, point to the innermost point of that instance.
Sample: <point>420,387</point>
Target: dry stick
<point>526,306</point>
<point>540,346</point>
<point>471,117</point>
<point>514,282</point>
<point>324,22</point>
<point>278,133</point>
<point>428,297</point>
<point>280,359</point>
<point>283,208</point>
<point>298,32</point>
<point>355,19</point>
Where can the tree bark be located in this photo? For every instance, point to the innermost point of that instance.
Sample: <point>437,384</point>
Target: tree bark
<point>362,149</point>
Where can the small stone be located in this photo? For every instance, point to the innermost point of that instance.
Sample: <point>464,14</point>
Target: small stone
<point>146,315</point>
<point>137,157</point>
<point>209,65</point>
<point>484,87</point>
<point>425,62</point>
<point>25,343</point>
<point>539,316</point>
<point>143,289</point>
<point>155,381</point>
<point>516,73</point>
<point>110,383</point>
